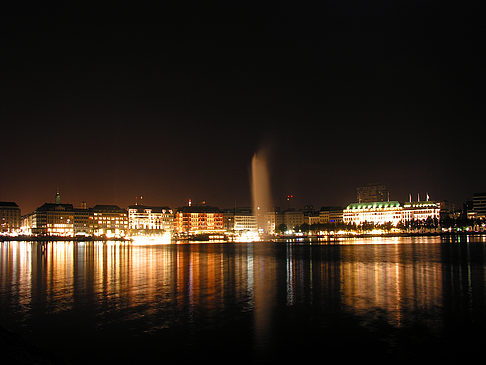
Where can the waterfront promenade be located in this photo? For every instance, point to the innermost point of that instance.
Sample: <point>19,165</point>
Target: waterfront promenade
<point>273,238</point>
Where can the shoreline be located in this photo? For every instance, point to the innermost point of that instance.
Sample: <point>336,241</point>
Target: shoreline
<point>60,238</point>
<point>388,235</point>
<point>274,239</point>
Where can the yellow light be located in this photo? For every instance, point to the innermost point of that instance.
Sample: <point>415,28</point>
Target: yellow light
<point>248,236</point>
<point>165,239</point>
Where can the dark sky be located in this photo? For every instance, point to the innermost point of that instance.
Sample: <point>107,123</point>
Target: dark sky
<point>171,102</point>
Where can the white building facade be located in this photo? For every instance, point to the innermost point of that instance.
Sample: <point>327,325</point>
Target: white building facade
<point>144,219</point>
<point>421,211</point>
<point>245,223</point>
<point>390,212</point>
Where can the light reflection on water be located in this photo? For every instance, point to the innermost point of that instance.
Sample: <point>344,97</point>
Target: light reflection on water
<point>253,299</point>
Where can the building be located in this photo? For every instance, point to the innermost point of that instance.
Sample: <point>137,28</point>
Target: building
<point>270,222</point>
<point>143,220</point>
<point>331,215</point>
<point>56,219</point>
<point>448,210</point>
<point>82,221</point>
<point>292,218</point>
<point>198,219</point>
<point>229,219</point>
<point>267,221</point>
<point>311,216</point>
<point>239,219</point>
<point>244,220</point>
<point>245,223</point>
<point>312,219</point>
<point>372,193</point>
<point>50,219</point>
<point>421,211</point>
<point>9,218</point>
<point>26,224</point>
<point>479,205</point>
<point>109,221</point>
<point>373,212</point>
<point>392,212</point>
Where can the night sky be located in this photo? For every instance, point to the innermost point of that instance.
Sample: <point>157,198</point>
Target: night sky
<point>171,102</point>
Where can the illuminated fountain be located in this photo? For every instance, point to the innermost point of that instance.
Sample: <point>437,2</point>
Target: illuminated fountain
<point>260,189</point>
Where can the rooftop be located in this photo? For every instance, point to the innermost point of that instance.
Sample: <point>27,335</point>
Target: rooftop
<point>198,209</point>
<point>108,208</point>
<point>142,208</point>
<point>421,204</point>
<point>8,205</point>
<point>53,206</point>
<point>374,205</point>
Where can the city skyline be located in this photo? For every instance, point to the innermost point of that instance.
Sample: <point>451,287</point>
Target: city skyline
<point>286,203</point>
<point>374,214</point>
<point>171,102</point>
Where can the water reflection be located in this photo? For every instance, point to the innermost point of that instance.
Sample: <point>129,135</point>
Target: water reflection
<point>394,279</point>
<point>250,295</point>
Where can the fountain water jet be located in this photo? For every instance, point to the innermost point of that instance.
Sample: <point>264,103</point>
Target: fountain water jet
<point>260,188</point>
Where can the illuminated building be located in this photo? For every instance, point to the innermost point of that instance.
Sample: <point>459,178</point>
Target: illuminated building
<point>373,212</point>
<point>197,219</point>
<point>149,220</point>
<point>391,211</point>
<point>245,223</point>
<point>9,218</point>
<point>244,220</point>
<point>229,219</point>
<point>56,219</point>
<point>109,221</point>
<point>51,219</point>
<point>421,210</point>
<point>26,223</point>
<point>239,219</point>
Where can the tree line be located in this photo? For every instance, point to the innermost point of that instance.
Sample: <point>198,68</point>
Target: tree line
<point>428,225</point>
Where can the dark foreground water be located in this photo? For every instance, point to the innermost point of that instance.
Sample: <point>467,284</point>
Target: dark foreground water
<point>387,299</point>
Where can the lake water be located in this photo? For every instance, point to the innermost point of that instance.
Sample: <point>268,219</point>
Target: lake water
<point>381,299</point>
